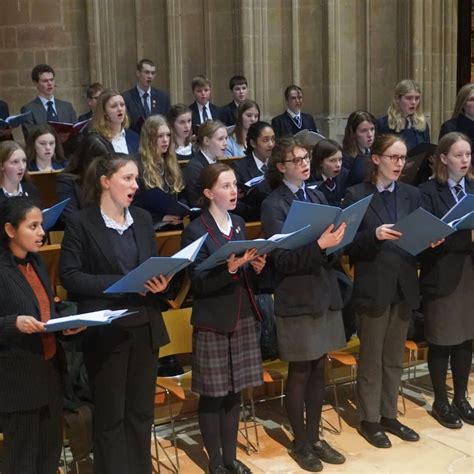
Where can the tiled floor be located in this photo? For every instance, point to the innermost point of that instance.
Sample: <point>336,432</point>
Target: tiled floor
<point>440,450</point>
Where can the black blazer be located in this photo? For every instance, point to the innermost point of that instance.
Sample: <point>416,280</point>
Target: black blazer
<point>307,284</point>
<point>5,113</point>
<point>335,196</point>
<point>196,119</point>
<point>67,186</point>
<point>88,265</point>
<point>246,169</point>
<point>216,293</point>
<point>160,104</point>
<point>191,174</point>
<point>380,266</point>
<point>284,125</point>
<point>461,123</point>
<point>229,114</point>
<point>64,110</point>
<point>31,191</point>
<point>441,268</point>
<point>24,373</point>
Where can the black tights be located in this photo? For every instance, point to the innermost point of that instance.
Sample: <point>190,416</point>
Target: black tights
<point>219,425</point>
<point>305,390</point>
<point>461,358</point>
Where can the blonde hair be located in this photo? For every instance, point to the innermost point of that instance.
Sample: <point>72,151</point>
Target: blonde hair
<point>395,120</point>
<point>447,141</point>
<point>462,98</point>
<point>153,161</point>
<point>99,122</point>
<point>207,129</point>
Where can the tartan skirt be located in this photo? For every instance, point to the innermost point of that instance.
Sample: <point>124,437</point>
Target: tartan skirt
<point>224,363</point>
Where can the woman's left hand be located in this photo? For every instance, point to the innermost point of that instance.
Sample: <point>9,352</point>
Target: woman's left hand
<point>71,332</point>
<point>437,243</point>
<point>259,263</point>
<point>157,284</point>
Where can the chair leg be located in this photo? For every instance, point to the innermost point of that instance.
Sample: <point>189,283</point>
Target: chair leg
<point>244,419</point>
<point>252,408</point>
<point>336,402</point>
<point>402,393</point>
<point>173,432</point>
<point>156,447</point>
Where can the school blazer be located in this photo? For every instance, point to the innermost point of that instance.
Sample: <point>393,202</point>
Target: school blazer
<point>24,373</point>
<point>284,125</point>
<point>441,268</point>
<point>217,294</point>
<point>160,104</point>
<point>306,284</point>
<point>196,119</point>
<point>29,189</point>
<point>191,174</point>
<point>334,197</point>
<point>229,114</point>
<point>461,123</point>
<point>380,265</point>
<point>64,110</point>
<point>246,169</point>
<point>88,265</point>
<point>411,136</point>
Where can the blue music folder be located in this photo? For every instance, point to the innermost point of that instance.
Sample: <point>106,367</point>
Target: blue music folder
<point>134,281</point>
<point>456,215</point>
<point>51,214</point>
<point>419,230</point>
<point>287,241</point>
<point>320,216</point>
<point>96,318</point>
<point>157,201</point>
<point>14,120</point>
<point>465,223</point>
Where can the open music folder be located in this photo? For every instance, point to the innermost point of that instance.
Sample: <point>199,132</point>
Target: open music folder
<point>96,318</point>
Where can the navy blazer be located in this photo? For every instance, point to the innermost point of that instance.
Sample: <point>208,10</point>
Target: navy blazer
<point>441,267</point>
<point>88,265</point>
<point>357,167</point>
<point>411,136</point>
<point>196,118</point>
<point>29,189</point>
<point>216,290</point>
<point>160,104</point>
<point>284,125</point>
<point>334,197</point>
<point>307,283</point>
<point>381,268</point>
<point>64,110</point>
<point>191,173</point>
<point>229,114</point>
<point>461,123</point>
<point>246,169</point>
<point>24,373</point>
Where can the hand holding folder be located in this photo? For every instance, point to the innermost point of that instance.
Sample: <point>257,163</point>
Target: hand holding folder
<point>134,282</point>
<point>320,217</point>
<point>96,318</point>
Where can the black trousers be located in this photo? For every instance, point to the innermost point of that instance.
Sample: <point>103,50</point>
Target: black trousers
<point>382,343</point>
<point>33,438</point>
<point>123,385</point>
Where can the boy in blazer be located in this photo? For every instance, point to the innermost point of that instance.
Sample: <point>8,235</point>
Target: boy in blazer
<point>202,109</point>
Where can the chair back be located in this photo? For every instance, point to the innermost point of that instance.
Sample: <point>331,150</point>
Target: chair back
<point>50,256</point>
<point>180,331</point>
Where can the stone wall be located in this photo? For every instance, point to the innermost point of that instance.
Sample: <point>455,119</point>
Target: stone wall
<point>346,54</point>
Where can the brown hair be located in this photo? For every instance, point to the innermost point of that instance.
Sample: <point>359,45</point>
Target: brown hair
<point>36,132</point>
<point>7,148</point>
<point>239,130</point>
<point>322,150</point>
<point>200,81</point>
<point>208,178</point>
<point>101,166</point>
<point>173,114</point>
<point>443,148</point>
<point>283,146</point>
<point>381,143</point>
<point>462,98</point>
<point>349,142</point>
<point>207,129</point>
<point>99,122</point>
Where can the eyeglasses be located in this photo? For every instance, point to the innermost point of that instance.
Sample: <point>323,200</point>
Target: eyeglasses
<point>396,158</point>
<point>298,160</point>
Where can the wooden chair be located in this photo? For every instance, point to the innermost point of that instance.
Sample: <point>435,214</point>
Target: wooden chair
<point>45,181</point>
<point>50,256</point>
<point>168,243</point>
<point>253,230</point>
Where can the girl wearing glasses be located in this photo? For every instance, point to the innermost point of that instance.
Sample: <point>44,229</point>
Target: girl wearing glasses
<point>359,136</point>
<point>307,304</point>
<point>405,115</point>
<point>447,277</point>
<point>385,291</point>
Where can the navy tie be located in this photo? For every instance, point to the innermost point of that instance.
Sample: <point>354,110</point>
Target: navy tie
<point>51,115</point>
<point>205,117</point>
<point>459,191</point>
<point>301,195</point>
<point>297,120</point>
<point>263,169</point>
<point>145,104</point>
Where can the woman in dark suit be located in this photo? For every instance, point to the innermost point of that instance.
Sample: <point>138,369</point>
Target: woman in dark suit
<point>385,291</point>
<point>30,360</point>
<point>307,304</point>
<point>108,129</point>
<point>102,242</point>
<point>226,353</point>
<point>462,120</point>
<point>447,283</point>
<point>14,178</point>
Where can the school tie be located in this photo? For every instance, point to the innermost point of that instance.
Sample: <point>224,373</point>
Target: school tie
<point>205,117</point>
<point>300,194</point>
<point>330,184</point>
<point>145,104</point>
<point>459,191</point>
<point>51,115</point>
<point>297,120</point>
<point>264,169</point>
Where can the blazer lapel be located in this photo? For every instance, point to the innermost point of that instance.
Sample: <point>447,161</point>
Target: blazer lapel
<point>154,101</point>
<point>141,238</point>
<point>40,111</point>
<point>313,196</point>
<point>403,202</point>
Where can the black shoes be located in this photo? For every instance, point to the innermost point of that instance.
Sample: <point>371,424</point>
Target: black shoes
<point>446,415</point>
<point>218,470</point>
<point>306,458</point>
<point>393,426</point>
<point>464,410</point>
<point>238,467</point>
<point>374,434</point>
<point>327,454</point>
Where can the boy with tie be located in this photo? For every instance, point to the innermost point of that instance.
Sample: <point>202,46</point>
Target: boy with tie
<point>46,108</point>
<point>293,120</point>
<point>202,108</point>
